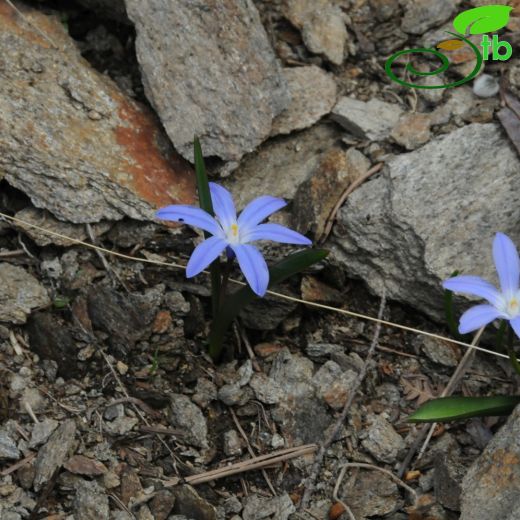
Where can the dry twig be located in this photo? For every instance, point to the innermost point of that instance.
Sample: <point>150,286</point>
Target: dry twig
<point>263,461</point>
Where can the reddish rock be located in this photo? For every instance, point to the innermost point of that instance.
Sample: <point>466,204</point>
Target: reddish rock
<point>67,129</point>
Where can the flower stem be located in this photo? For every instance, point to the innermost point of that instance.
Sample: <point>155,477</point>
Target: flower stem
<point>226,271</point>
<point>511,352</point>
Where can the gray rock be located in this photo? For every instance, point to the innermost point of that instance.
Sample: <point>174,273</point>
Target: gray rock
<point>176,303</point>
<point>293,374</point>
<point>393,230</point>
<point>262,314</point>
<point>279,166</point>
<point>209,70</point>
<point>277,441</point>
<point>71,140</point>
<point>232,505</point>
<point>333,384</point>
<point>54,453</point>
<point>485,86</point>
<point>372,119</point>
<point>447,479</point>
<point>42,431</point>
<point>373,494</point>
<point>162,504</point>
<point>8,448</point>
<point>32,398</point>
<point>421,15</point>
<point>266,389</point>
<point>491,487</point>
<point>245,372</point>
<point>190,504</point>
<point>381,440</point>
<point>318,195</point>
<point>439,351</point>
<point>91,501</point>
<point>275,508</point>
<point>300,413</point>
<point>322,26</point>
<point>187,416</point>
<point>234,395</point>
<point>412,130</point>
<point>44,219</point>
<point>320,351</point>
<point>205,392</point>
<point>313,94</point>
<point>121,425</point>
<point>232,443</point>
<point>20,292</point>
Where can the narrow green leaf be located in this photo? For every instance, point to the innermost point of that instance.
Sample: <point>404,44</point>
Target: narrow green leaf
<point>483,19</point>
<point>460,407</point>
<point>238,300</point>
<point>207,205</point>
<point>202,179</point>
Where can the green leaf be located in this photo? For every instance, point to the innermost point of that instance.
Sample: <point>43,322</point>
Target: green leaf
<point>460,407</point>
<point>484,19</point>
<point>238,300</point>
<point>60,302</point>
<point>207,205</point>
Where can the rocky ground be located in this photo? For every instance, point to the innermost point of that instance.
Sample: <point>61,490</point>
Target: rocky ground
<point>109,405</point>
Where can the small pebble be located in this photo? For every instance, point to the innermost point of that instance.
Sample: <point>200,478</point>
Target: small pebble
<point>485,86</point>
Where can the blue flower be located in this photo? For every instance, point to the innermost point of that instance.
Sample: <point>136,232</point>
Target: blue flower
<point>235,233</point>
<point>503,304</point>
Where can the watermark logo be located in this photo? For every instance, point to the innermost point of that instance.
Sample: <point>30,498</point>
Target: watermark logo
<point>480,20</point>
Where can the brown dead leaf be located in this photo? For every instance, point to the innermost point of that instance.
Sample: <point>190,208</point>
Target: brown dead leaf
<point>450,45</point>
<point>418,389</point>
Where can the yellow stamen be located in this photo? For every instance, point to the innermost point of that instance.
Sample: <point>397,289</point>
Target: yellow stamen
<point>234,229</point>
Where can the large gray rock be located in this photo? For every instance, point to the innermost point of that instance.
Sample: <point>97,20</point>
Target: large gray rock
<point>279,166</point>
<point>431,212</point>
<point>209,70</point>
<point>491,488</point>
<point>20,292</point>
<point>70,139</point>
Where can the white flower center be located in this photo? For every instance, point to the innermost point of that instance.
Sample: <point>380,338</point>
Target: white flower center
<point>513,306</point>
<point>510,304</point>
<point>232,234</point>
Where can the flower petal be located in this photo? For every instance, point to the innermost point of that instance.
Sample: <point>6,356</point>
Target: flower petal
<point>276,233</point>
<point>515,324</point>
<point>190,215</point>
<point>475,286</point>
<point>258,210</point>
<point>507,263</point>
<point>223,205</point>
<point>477,317</point>
<point>253,266</point>
<point>204,254</point>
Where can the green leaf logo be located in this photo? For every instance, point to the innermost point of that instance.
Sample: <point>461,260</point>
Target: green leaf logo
<point>484,19</point>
